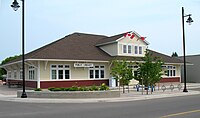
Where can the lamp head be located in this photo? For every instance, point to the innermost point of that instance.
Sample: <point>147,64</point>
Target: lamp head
<point>189,20</point>
<point>15,5</point>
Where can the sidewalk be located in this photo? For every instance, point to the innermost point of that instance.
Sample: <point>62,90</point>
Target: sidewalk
<point>133,95</point>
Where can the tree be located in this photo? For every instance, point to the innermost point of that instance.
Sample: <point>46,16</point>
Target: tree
<point>174,54</point>
<point>122,72</point>
<point>150,71</point>
<point>2,70</point>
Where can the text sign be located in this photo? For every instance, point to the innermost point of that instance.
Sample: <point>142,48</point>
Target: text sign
<point>83,64</point>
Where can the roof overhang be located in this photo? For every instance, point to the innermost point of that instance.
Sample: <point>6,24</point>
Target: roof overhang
<point>67,60</point>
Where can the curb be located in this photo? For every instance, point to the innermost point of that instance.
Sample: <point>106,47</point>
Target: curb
<point>13,98</point>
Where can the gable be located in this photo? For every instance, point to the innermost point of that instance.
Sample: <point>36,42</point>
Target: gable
<point>129,40</point>
<point>126,44</point>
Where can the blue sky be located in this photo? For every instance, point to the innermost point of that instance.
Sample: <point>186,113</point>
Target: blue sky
<point>50,20</point>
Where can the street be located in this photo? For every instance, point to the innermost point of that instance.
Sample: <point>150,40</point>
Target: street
<point>176,107</point>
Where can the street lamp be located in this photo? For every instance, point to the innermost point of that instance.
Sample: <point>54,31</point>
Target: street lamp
<point>189,20</point>
<point>15,6</point>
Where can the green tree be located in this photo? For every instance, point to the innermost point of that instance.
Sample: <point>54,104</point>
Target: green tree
<point>150,71</point>
<point>2,70</point>
<point>122,72</point>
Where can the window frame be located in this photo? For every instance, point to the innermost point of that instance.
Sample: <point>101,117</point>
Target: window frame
<point>15,74</point>
<point>31,73</point>
<point>136,49</point>
<point>60,67</point>
<point>124,48</point>
<point>127,49</point>
<point>140,50</point>
<point>170,70</point>
<point>94,69</point>
<point>9,74</point>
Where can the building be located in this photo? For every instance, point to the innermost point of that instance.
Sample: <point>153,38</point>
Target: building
<point>85,59</point>
<point>192,68</point>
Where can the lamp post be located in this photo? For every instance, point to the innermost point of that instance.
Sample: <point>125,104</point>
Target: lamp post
<point>15,6</point>
<point>189,20</point>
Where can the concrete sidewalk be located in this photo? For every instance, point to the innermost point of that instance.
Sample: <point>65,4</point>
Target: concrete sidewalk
<point>133,95</point>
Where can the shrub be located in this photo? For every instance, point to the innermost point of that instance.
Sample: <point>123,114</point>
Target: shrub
<point>38,89</point>
<point>93,88</point>
<point>57,89</point>
<point>83,89</point>
<point>66,89</point>
<point>62,89</point>
<point>104,87</point>
<point>73,88</point>
<point>51,88</point>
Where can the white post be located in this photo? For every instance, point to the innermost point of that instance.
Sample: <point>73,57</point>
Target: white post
<point>38,75</point>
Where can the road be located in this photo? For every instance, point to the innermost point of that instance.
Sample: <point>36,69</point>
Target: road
<point>176,107</point>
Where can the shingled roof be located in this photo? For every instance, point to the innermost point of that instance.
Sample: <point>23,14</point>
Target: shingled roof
<point>81,46</point>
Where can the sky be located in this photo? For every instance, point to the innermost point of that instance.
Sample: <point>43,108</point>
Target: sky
<point>49,20</point>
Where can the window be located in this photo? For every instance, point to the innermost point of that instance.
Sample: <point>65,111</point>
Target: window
<point>140,50</point>
<point>9,74</point>
<point>31,73</point>
<point>170,70</point>
<point>60,72</point>
<point>53,74</point>
<point>21,74</point>
<point>97,72</point>
<point>124,49</point>
<point>66,74</point>
<point>136,49</point>
<point>15,74</point>
<point>91,73</point>
<point>127,49</point>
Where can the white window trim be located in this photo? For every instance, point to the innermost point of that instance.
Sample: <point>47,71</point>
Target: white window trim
<point>31,73</point>
<point>57,75</point>
<point>9,74</point>
<point>99,72</point>
<point>21,74</point>
<point>138,50</point>
<point>127,50</point>
<point>15,74</point>
<point>124,48</point>
<point>167,69</point>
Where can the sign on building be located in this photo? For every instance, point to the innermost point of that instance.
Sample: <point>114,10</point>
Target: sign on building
<point>83,65</point>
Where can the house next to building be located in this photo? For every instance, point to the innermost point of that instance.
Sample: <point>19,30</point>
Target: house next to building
<point>85,59</point>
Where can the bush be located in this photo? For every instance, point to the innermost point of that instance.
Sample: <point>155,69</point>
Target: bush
<point>83,89</point>
<point>73,88</point>
<point>66,89</point>
<point>57,89</point>
<point>38,89</point>
<point>62,89</point>
<point>51,88</point>
<point>93,88</point>
<point>104,87</point>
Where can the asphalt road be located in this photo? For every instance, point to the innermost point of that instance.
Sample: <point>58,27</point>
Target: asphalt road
<point>176,107</point>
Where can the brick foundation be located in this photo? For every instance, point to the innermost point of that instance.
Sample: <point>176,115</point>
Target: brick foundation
<point>170,79</point>
<point>47,84</point>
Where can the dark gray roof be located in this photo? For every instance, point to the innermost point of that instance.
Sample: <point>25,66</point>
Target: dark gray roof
<point>109,39</point>
<point>80,46</point>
